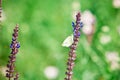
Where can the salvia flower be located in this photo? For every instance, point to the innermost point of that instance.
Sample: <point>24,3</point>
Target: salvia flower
<point>72,53</point>
<point>10,72</point>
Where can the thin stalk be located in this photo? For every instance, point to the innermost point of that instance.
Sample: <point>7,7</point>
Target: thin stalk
<point>72,53</point>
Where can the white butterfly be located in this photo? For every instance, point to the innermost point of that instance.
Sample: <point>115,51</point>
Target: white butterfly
<point>68,41</point>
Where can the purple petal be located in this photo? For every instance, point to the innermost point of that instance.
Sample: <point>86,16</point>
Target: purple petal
<point>18,45</point>
<point>73,24</point>
<point>11,45</point>
<point>81,24</point>
<point>77,34</point>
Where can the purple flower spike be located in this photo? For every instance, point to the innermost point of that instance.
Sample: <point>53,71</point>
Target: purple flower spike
<point>12,58</point>
<point>72,54</point>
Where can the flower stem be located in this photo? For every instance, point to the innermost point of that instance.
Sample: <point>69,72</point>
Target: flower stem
<point>72,53</point>
<point>12,58</point>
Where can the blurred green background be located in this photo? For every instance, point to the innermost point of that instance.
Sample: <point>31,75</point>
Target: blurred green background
<point>44,24</point>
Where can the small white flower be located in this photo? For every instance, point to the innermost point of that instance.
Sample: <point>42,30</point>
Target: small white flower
<point>115,65</point>
<point>114,59</point>
<point>68,41</point>
<point>116,3</point>
<point>87,29</point>
<point>51,72</point>
<point>105,28</point>
<point>104,39</point>
<point>87,18</point>
<point>112,56</point>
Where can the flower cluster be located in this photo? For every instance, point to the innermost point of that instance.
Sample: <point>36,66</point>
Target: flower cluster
<point>12,58</point>
<point>75,28</point>
<point>72,53</point>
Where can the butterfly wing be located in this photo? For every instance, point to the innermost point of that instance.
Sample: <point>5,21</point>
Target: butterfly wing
<point>68,41</point>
